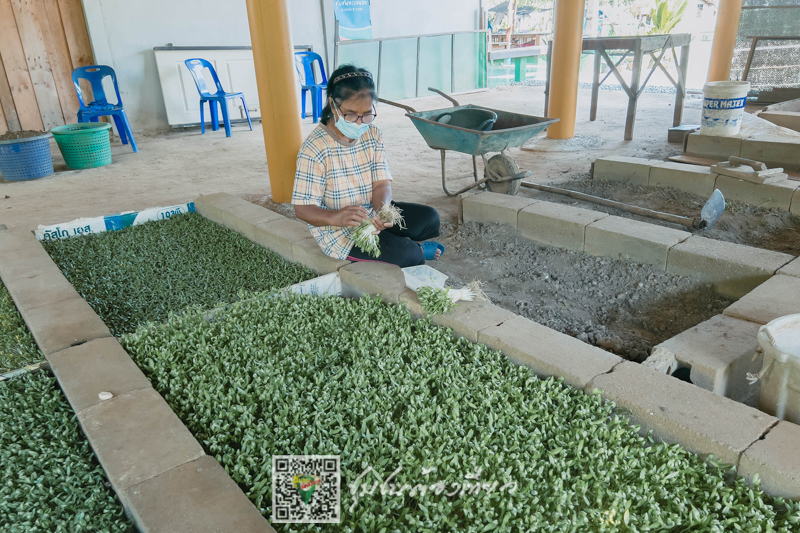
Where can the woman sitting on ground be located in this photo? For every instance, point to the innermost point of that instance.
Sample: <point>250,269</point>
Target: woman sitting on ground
<point>342,179</point>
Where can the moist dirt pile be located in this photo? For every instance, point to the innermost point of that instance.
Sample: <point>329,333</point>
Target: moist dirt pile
<point>622,307</point>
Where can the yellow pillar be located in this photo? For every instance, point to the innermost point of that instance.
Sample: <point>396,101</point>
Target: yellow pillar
<point>719,69</point>
<point>566,62</point>
<point>273,53</point>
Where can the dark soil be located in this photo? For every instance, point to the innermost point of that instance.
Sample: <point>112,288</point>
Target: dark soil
<point>622,307</point>
<point>771,229</point>
<point>24,134</point>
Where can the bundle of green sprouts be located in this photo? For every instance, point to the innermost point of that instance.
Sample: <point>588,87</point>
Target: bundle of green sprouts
<point>438,301</point>
<point>364,236</point>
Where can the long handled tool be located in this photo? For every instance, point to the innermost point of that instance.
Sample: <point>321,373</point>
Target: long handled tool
<point>709,215</point>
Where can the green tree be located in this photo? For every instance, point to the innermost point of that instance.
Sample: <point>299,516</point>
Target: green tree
<point>665,19</point>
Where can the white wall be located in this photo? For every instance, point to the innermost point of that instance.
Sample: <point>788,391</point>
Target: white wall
<point>124,32</point>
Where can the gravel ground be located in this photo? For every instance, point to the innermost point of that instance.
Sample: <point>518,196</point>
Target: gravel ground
<point>771,229</point>
<point>622,307</point>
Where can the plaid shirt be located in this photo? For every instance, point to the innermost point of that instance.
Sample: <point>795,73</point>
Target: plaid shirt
<point>333,176</point>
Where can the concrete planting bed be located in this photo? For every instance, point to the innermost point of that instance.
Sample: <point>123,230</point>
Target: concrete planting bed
<point>700,180</point>
<point>166,481</point>
<point>718,351</point>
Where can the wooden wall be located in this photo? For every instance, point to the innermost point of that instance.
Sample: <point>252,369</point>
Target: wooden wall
<point>41,42</point>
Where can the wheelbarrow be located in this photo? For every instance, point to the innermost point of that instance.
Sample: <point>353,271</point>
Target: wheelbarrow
<point>477,131</point>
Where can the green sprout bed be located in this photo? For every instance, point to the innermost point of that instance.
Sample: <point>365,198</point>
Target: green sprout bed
<point>48,478</point>
<point>363,380</point>
<point>17,347</point>
<point>142,273</point>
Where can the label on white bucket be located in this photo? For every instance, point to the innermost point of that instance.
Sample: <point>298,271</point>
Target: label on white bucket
<point>724,103</point>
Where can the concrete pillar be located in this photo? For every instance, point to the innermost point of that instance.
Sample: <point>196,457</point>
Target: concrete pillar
<point>719,69</point>
<point>273,53</point>
<point>566,59</point>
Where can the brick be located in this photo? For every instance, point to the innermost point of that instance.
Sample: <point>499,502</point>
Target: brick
<point>785,119</point>
<point>101,365</point>
<point>776,461</point>
<point>679,412</point>
<point>777,194</point>
<point>307,252</point>
<point>713,147</point>
<point>634,170</point>
<point>244,217</point>
<point>15,239</point>
<point>460,200</point>
<point>720,353</point>
<point>47,286</point>
<point>623,238</point>
<point>548,352</point>
<point>26,260</point>
<point>469,318</point>
<point>774,150</point>
<point>213,206</point>
<point>373,279</point>
<point>279,235</point>
<point>557,224</point>
<point>136,436</point>
<point>64,324</point>
<point>773,299</point>
<point>695,179</point>
<point>490,207</point>
<point>791,269</point>
<point>195,496</point>
<point>410,301</point>
<point>734,269</point>
<point>795,207</point>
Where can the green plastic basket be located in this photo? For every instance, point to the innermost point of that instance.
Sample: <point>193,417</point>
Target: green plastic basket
<point>86,145</point>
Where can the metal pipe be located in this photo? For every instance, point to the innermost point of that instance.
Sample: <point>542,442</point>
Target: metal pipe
<point>364,41</point>
<point>691,223</point>
<point>419,45</point>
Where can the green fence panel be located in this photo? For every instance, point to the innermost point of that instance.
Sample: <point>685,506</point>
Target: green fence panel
<point>434,63</point>
<point>363,55</point>
<point>399,69</point>
<point>468,68</point>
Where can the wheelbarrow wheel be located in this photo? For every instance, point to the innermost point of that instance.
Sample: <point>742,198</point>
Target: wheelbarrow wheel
<point>503,166</point>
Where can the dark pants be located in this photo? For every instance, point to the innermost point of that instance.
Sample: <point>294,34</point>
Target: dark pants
<point>399,246</point>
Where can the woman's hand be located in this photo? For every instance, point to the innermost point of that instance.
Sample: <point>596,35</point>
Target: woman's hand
<point>350,216</point>
<point>380,225</point>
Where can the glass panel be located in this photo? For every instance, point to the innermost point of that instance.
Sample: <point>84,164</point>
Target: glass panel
<point>399,69</point>
<point>434,64</point>
<point>363,55</point>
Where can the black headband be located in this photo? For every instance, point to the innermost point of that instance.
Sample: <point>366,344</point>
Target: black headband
<point>351,75</point>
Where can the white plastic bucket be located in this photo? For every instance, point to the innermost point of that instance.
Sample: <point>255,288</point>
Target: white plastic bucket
<point>723,105</point>
<point>780,376</point>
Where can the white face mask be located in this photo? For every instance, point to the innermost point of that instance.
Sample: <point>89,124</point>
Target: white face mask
<point>351,130</point>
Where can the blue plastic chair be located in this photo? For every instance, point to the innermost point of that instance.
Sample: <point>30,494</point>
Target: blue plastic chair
<point>196,67</point>
<point>307,60</point>
<point>100,106</point>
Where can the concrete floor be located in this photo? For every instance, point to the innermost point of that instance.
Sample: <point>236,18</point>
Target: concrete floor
<point>178,166</point>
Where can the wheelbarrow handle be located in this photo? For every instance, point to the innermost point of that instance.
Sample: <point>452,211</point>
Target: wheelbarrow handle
<point>453,100</point>
<point>409,109</point>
